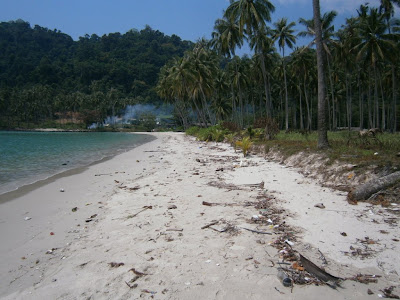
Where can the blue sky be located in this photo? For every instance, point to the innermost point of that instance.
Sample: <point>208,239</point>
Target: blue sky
<point>189,19</point>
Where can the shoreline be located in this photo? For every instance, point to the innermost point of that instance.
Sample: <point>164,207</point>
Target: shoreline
<point>29,187</point>
<point>145,215</point>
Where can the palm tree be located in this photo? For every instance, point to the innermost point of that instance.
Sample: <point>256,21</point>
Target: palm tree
<point>322,126</point>
<point>220,103</point>
<point>283,34</point>
<point>327,32</point>
<point>303,67</point>
<point>226,36</point>
<point>250,14</point>
<point>203,64</point>
<point>264,49</point>
<point>374,47</point>
<point>387,9</point>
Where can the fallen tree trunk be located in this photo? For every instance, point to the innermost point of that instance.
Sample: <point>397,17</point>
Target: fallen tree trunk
<point>366,190</point>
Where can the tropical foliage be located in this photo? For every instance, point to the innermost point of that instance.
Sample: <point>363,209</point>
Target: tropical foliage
<point>361,69</point>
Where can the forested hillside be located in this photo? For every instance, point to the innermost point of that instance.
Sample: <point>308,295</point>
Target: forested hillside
<point>46,75</point>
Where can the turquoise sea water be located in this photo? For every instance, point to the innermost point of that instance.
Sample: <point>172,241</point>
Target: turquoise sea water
<point>27,157</point>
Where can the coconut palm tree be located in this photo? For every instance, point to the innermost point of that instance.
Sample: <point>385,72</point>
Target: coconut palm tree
<point>226,36</point>
<point>264,49</point>
<point>322,112</point>
<point>250,14</point>
<point>303,66</point>
<point>374,47</point>
<point>283,34</point>
<point>327,33</point>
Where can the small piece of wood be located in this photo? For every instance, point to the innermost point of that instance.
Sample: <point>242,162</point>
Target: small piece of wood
<point>211,224</point>
<point>144,208</point>
<point>366,190</point>
<point>174,229</point>
<point>256,231</point>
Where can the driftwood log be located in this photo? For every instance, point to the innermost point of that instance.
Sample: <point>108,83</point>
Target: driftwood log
<point>366,190</point>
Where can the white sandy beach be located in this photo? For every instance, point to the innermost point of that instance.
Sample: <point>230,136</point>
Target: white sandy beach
<point>137,231</point>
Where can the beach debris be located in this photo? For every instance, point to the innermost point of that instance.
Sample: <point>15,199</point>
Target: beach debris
<point>210,224</point>
<point>27,218</point>
<point>290,243</point>
<point>91,218</point>
<point>343,233</point>
<point>223,185</point>
<point>284,278</point>
<point>373,186</point>
<point>388,293</point>
<point>322,257</point>
<point>74,209</point>
<point>138,273</point>
<point>173,206</point>
<point>116,265</point>
<point>364,278</point>
<point>135,188</point>
<point>174,229</point>
<point>50,251</point>
<point>83,264</point>
<point>146,207</point>
<point>319,205</point>
<point>329,279</point>
<point>369,292</point>
<point>255,231</point>
<point>296,266</point>
<point>282,293</point>
<point>62,190</point>
<point>51,233</point>
<point>148,291</point>
<point>363,253</point>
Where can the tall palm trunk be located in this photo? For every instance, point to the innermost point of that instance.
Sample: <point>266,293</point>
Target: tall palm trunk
<point>394,100</point>
<point>307,106</point>
<point>301,109</point>
<point>286,92</point>
<point>322,126</point>
<point>267,99</point>
<point>334,123</point>
<point>360,101</point>
<point>376,99</point>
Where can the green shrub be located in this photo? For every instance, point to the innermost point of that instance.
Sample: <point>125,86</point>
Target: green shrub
<point>245,144</point>
<point>192,130</point>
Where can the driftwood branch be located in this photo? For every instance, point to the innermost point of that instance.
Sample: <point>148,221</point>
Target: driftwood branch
<point>366,190</point>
